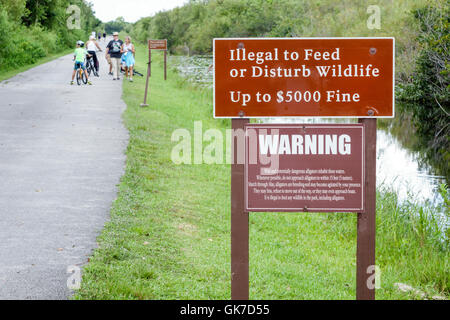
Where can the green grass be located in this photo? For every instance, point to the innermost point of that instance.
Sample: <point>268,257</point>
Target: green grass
<point>169,234</point>
<point>5,75</point>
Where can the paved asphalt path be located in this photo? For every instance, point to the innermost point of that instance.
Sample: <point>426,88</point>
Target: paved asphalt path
<point>61,157</point>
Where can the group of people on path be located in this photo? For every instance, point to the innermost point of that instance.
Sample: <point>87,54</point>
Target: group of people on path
<point>118,54</point>
<point>100,36</point>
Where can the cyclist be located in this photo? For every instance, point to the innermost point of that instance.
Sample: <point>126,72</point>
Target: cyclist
<point>92,46</point>
<point>79,56</point>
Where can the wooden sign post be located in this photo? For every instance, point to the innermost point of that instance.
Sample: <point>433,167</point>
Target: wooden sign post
<point>328,168</point>
<point>165,64</point>
<point>154,45</point>
<point>366,225</point>
<point>239,224</point>
<point>149,74</point>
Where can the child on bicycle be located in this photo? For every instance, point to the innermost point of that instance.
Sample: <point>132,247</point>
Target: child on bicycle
<point>79,56</point>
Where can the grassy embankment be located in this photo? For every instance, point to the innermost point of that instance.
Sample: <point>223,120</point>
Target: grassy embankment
<point>169,234</point>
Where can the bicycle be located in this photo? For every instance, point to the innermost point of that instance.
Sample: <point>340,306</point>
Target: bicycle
<point>90,66</point>
<point>81,76</point>
<point>135,73</point>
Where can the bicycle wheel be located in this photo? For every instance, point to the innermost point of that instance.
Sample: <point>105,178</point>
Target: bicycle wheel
<point>89,67</point>
<point>79,76</point>
<point>94,72</point>
<point>84,78</point>
<point>92,68</point>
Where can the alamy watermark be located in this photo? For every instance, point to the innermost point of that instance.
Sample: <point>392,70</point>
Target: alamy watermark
<point>374,20</point>
<point>374,280</point>
<point>74,19</point>
<point>212,147</point>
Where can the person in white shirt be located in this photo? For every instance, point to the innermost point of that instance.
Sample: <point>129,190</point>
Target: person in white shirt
<point>92,47</point>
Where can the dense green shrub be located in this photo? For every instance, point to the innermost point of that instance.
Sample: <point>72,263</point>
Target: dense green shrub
<point>427,91</point>
<point>31,29</point>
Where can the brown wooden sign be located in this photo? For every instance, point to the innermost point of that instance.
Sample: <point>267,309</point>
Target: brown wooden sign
<point>154,45</point>
<point>328,167</point>
<point>157,44</point>
<point>313,77</point>
<point>304,167</point>
<point>365,253</point>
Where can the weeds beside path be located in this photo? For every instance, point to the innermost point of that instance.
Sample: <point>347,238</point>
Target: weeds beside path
<point>169,234</point>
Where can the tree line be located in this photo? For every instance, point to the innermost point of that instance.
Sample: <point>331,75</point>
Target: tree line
<point>426,93</point>
<point>420,27</point>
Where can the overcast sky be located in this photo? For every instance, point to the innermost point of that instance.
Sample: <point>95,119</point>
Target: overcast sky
<point>131,10</point>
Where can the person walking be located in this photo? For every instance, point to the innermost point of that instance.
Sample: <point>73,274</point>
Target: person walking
<point>114,50</point>
<point>128,51</point>
<point>108,59</point>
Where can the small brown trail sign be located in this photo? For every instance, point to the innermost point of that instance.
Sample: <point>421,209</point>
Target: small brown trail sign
<point>154,45</point>
<point>311,77</point>
<point>157,44</point>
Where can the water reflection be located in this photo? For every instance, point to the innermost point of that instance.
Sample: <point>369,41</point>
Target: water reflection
<point>397,167</point>
<point>196,69</point>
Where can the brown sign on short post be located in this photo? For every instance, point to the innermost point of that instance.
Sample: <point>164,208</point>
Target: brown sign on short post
<point>310,167</point>
<point>160,45</point>
<point>304,167</point>
<point>157,44</point>
<point>154,45</point>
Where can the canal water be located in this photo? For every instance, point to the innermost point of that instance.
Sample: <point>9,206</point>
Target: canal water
<point>398,168</point>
